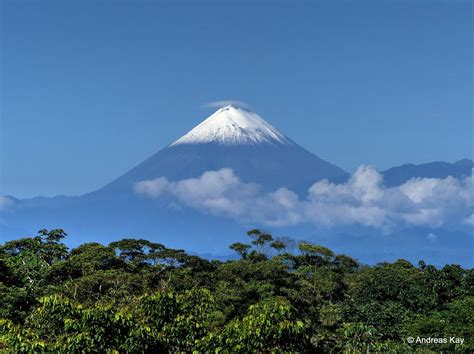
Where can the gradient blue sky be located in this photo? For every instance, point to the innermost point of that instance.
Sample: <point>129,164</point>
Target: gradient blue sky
<point>92,88</point>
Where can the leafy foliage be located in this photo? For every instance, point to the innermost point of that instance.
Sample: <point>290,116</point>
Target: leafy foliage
<point>138,296</point>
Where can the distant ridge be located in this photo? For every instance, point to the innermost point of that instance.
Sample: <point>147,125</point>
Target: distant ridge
<point>400,174</point>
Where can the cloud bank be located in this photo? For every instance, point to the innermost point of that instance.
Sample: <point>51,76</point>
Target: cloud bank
<point>362,200</point>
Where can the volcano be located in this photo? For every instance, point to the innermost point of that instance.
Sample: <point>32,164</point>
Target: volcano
<point>235,138</point>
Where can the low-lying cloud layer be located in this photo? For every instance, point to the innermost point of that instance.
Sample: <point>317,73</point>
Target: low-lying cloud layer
<point>361,200</point>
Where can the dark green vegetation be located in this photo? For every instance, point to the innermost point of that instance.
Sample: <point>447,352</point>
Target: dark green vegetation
<point>139,296</point>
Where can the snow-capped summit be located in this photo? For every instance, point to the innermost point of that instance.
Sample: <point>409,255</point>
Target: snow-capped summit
<point>233,125</point>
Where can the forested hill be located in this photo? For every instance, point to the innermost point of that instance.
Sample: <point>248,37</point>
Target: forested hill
<point>281,295</point>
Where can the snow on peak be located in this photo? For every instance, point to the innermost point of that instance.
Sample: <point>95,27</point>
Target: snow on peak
<point>233,125</point>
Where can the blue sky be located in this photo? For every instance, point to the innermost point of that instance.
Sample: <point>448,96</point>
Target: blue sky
<point>92,88</point>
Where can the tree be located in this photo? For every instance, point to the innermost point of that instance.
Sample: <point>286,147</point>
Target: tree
<point>259,239</point>
<point>268,326</point>
<point>241,249</point>
<point>315,254</point>
<point>46,245</point>
<point>278,245</point>
<point>135,251</point>
<point>179,321</point>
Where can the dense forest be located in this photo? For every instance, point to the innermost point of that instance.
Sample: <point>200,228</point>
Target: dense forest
<point>279,295</point>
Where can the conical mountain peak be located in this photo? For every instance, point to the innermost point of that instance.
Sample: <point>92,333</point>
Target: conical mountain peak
<point>233,125</point>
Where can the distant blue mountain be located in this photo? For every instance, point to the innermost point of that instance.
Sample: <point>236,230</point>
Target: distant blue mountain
<point>398,175</point>
<point>434,246</point>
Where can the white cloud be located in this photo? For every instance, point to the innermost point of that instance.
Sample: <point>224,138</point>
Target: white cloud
<point>152,188</point>
<point>5,203</point>
<point>217,192</point>
<point>432,237</point>
<point>469,220</point>
<point>361,200</point>
<point>219,104</point>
